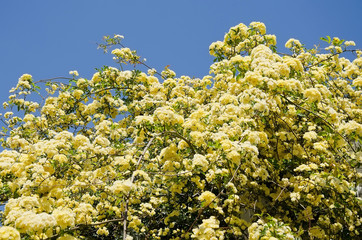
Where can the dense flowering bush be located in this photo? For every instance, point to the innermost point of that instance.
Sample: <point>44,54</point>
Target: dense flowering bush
<point>267,146</point>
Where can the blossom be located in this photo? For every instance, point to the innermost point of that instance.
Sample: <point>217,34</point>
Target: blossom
<point>293,43</point>
<point>350,127</point>
<point>143,120</point>
<point>167,116</point>
<point>200,160</point>
<point>349,43</point>
<point>321,146</point>
<point>104,142</point>
<point>119,36</point>
<point>77,93</point>
<point>127,146</point>
<point>317,232</point>
<point>9,233</point>
<point>31,221</point>
<point>294,196</point>
<point>259,26</point>
<point>67,237</point>
<point>83,213</point>
<point>81,83</point>
<point>253,78</point>
<point>64,217</point>
<point>125,55</point>
<point>302,167</point>
<point>103,231</point>
<point>24,82</point>
<point>207,197</point>
<point>80,140</point>
<point>309,136</point>
<point>197,137</point>
<point>74,72</point>
<point>208,229</point>
<point>312,95</point>
<point>357,82</point>
<point>124,186</point>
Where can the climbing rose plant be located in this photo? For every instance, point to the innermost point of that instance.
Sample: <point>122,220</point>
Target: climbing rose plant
<point>268,146</point>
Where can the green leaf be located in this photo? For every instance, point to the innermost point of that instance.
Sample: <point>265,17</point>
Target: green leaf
<point>329,39</point>
<point>326,39</point>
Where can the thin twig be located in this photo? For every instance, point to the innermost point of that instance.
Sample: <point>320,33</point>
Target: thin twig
<point>183,138</point>
<point>132,179</point>
<point>203,209</point>
<point>330,57</point>
<point>324,120</point>
<point>295,135</point>
<point>51,79</point>
<point>89,224</point>
<point>138,61</point>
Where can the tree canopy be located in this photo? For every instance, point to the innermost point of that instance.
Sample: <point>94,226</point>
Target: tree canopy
<point>267,146</point>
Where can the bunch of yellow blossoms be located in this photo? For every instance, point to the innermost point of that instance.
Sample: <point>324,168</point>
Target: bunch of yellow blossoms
<point>267,146</point>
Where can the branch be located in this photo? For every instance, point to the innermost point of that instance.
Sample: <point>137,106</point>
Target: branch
<point>203,209</point>
<point>138,61</point>
<point>90,224</point>
<point>51,79</point>
<point>132,179</point>
<point>324,120</point>
<point>183,138</point>
<point>170,175</point>
<point>330,57</point>
<point>295,135</point>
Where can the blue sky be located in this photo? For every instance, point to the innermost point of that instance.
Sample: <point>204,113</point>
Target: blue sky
<point>49,38</point>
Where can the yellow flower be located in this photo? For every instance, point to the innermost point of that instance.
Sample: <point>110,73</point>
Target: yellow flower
<point>350,127</point>
<point>81,82</point>
<point>124,186</point>
<point>165,115</point>
<point>259,26</point>
<point>349,43</point>
<point>96,78</point>
<point>9,233</point>
<point>312,95</point>
<point>64,217</point>
<point>80,140</point>
<point>143,120</point>
<point>309,136</point>
<point>67,237</point>
<point>208,230</point>
<point>200,160</point>
<point>294,196</point>
<point>207,197</point>
<point>321,146</point>
<point>31,221</point>
<point>103,231</point>
<point>302,167</point>
<point>234,156</point>
<point>293,43</point>
<point>357,82</point>
<point>317,232</point>
<point>197,137</point>
<point>253,78</point>
<point>293,63</point>
<point>77,93</point>
<point>74,72</point>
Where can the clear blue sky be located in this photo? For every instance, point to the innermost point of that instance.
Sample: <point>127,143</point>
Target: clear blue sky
<point>48,38</point>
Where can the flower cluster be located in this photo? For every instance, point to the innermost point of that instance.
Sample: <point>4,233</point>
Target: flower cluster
<point>125,55</point>
<point>148,155</point>
<point>271,230</point>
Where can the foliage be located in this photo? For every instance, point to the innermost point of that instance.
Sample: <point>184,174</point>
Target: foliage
<point>265,147</point>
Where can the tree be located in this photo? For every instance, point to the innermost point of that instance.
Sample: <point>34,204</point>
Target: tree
<point>265,147</point>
